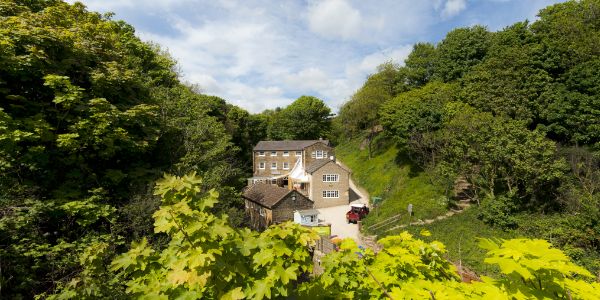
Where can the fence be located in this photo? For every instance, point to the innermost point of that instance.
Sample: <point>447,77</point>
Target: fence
<point>325,246</point>
<point>385,222</point>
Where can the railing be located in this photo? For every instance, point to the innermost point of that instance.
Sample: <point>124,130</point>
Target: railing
<point>385,222</point>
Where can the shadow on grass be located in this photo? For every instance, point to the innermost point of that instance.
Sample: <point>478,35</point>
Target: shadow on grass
<point>402,160</point>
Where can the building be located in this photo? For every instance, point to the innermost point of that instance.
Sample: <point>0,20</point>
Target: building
<point>306,166</point>
<point>307,217</point>
<point>329,183</point>
<point>269,204</point>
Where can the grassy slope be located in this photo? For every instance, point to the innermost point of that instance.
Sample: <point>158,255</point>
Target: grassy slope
<point>394,178</point>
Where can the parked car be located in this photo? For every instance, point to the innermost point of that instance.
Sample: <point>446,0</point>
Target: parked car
<point>357,212</point>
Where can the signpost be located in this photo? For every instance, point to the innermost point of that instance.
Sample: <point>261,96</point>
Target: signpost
<point>409,212</point>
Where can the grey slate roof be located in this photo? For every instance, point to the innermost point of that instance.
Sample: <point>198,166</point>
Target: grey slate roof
<point>317,165</point>
<point>321,162</point>
<point>286,145</point>
<point>265,194</point>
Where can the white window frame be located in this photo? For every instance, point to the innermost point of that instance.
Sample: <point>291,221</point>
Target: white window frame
<point>286,153</point>
<point>331,194</point>
<point>274,181</point>
<point>286,165</point>
<point>273,153</point>
<point>273,164</point>
<point>314,154</point>
<point>319,152</point>
<point>261,166</point>
<point>261,153</point>
<point>331,178</point>
<point>251,204</point>
<point>298,153</point>
<point>325,154</point>
<point>247,205</point>
<point>262,211</point>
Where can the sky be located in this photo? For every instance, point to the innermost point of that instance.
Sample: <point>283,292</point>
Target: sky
<point>264,54</point>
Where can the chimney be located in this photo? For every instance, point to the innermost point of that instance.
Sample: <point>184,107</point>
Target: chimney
<point>320,138</point>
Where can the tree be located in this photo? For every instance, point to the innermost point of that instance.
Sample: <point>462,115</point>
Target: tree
<point>418,68</point>
<point>307,118</point>
<point>460,52</point>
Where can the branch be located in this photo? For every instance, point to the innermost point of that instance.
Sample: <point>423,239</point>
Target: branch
<point>379,284</point>
<point>186,235</point>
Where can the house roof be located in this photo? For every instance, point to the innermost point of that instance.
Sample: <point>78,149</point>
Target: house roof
<point>286,145</point>
<point>265,194</point>
<point>308,212</point>
<point>320,163</point>
<point>317,165</point>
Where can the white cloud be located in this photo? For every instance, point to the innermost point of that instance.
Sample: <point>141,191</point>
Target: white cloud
<point>452,8</point>
<point>309,79</point>
<point>338,19</point>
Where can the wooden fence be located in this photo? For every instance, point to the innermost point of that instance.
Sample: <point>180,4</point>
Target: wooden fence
<point>325,246</point>
<point>385,222</point>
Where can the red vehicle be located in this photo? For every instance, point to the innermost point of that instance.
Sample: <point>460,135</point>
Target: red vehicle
<point>357,213</point>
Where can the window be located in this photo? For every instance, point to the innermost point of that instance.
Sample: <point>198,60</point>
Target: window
<point>313,155</point>
<point>286,153</point>
<point>273,153</point>
<point>262,212</point>
<point>319,154</point>
<point>261,153</point>
<point>331,194</point>
<point>325,154</point>
<point>251,204</point>
<point>261,165</point>
<point>274,181</point>
<point>298,153</point>
<point>286,166</point>
<point>273,166</point>
<point>313,218</point>
<point>247,203</point>
<point>331,178</point>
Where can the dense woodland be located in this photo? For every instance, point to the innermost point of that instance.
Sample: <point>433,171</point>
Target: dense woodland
<point>91,117</point>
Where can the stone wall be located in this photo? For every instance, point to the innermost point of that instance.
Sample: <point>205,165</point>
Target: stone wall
<point>283,210</point>
<point>318,186</point>
<point>307,155</point>
<point>258,222</point>
<point>268,159</point>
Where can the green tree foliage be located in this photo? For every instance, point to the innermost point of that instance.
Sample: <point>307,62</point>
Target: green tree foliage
<point>460,52</point>
<point>417,110</point>
<point>572,115</point>
<point>207,259</point>
<point>307,118</point>
<point>89,115</point>
<point>418,68</point>
<point>570,31</point>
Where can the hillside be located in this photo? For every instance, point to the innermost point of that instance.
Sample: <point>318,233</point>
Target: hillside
<point>391,175</point>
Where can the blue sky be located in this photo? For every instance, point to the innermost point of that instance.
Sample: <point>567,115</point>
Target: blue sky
<point>264,54</point>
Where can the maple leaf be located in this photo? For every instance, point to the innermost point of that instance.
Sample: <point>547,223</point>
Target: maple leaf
<point>234,294</point>
<point>425,233</point>
<point>261,289</point>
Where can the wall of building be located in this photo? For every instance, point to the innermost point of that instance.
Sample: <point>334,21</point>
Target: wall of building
<point>258,222</point>
<point>307,155</point>
<point>283,210</point>
<point>268,159</point>
<point>318,186</point>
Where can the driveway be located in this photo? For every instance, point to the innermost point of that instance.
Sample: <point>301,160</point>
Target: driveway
<point>336,215</point>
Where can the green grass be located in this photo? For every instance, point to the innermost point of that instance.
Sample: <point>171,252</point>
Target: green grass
<point>395,178</point>
<point>392,176</point>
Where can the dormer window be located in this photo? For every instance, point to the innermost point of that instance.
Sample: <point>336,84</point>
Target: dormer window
<point>286,153</point>
<point>298,153</point>
<point>262,153</point>
<point>273,153</point>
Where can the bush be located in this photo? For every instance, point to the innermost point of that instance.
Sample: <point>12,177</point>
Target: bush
<point>499,212</point>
